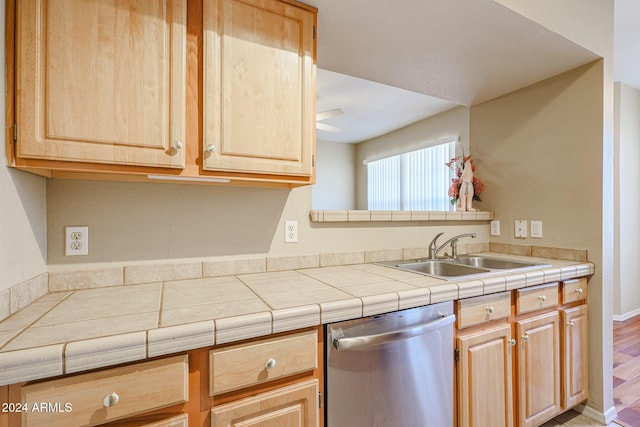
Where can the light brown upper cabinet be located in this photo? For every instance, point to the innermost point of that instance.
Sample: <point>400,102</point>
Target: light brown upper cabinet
<point>101,81</point>
<point>259,87</point>
<point>195,90</point>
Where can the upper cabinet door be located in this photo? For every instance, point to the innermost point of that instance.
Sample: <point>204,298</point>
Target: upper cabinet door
<point>102,81</point>
<point>259,87</point>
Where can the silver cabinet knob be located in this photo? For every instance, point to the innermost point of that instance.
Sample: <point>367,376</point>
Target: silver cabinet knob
<point>570,323</point>
<point>512,342</point>
<point>270,363</point>
<point>525,337</point>
<point>542,298</point>
<point>490,310</point>
<point>211,148</point>
<point>111,400</point>
<point>177,145</point>
<point>579,291</point>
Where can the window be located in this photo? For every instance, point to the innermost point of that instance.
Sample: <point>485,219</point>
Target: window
<point>413,181</point>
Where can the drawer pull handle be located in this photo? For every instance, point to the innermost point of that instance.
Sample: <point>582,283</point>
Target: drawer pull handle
<point>542,298</point>
<point>512,342</point>
<point>570,323</point>
<point>579,291</point>
<point>111,400</point>
<point>490,310</point>
<point>270,364</point>
<point>525,337</point>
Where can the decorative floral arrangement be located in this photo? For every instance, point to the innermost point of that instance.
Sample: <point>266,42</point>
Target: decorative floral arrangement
<point>456,164</point>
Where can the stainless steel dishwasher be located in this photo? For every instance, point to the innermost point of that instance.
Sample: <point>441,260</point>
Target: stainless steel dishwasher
<point>391,370</point>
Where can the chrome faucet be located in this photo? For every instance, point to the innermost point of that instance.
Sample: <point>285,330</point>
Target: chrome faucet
<point>434,248</point>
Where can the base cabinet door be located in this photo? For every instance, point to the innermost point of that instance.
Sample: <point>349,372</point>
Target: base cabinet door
<point>484,378</point>
<point>538,368</point>
<point>291,406</point>
<point>574,361</point>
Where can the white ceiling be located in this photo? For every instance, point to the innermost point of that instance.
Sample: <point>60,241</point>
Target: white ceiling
<point>370,109</point>
<point>441,53</point>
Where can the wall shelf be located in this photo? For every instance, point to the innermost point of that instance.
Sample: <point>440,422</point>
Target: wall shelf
<point>397,216</point>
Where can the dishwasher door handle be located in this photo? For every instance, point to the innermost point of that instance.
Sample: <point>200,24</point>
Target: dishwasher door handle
<point>400,334</point>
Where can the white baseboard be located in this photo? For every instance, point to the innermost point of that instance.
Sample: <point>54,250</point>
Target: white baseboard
<point>604,418</point>
<point>626,316</point>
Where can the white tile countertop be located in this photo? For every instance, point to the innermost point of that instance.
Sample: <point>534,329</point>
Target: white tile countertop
<point>71,331</point>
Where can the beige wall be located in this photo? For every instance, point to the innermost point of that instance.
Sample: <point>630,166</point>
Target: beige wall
<point>627,134</point>
<point>335,186</point>
<point>454,122</point>
<point>140,221</point>
<point>589,23</point>
<point>22,211</point>
<point>540,150</point>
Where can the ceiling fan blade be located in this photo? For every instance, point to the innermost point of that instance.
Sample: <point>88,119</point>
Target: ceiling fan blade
<point>324,115</point>
<point>327,128</point>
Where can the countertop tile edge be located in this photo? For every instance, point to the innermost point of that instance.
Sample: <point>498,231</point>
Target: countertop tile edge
<point>288,319</point>
<point>174,339</point>
<point>236,328</point>
<point>31,364</point>
<point>380,303</point>
<point>105,351</point>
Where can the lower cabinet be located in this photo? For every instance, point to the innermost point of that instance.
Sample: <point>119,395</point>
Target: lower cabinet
<point>290,406</point>
<point>108,395</point>
<point>574,351</point>
<point>272,381</point>
<point>242,377</point>
<point>485,380</point>
<point>527,366</point>
<point>538,368</point>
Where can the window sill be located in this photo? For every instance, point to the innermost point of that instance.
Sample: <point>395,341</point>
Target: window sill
<point>397,216</point>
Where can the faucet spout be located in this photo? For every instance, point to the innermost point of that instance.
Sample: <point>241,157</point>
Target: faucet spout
<point>433,252</point>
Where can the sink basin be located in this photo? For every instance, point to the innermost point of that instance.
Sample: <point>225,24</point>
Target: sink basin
<point>464,266</point>
<point>438,268</point>
<point>494,263</point>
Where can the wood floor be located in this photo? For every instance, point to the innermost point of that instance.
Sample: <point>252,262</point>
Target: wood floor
<point>626,371</point>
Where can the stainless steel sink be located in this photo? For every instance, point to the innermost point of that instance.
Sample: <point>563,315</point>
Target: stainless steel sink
<point>494,263</point>
<point>437,267</point>
<point>463,266</point>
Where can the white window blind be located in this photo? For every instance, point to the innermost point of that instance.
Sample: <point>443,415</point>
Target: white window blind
<point>417,180</point>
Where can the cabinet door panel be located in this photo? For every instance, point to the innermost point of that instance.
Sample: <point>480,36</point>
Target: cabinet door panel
<point>538,367</point>
<point>292,406</point>
<point>575,364</point>
<point>485,378</point>
<point>101,81</point>
<point>259,82</point>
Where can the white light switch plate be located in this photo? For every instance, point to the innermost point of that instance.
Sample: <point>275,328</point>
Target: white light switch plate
<point>536,229</point>
<point>521,228</point>
<point>495,227</point>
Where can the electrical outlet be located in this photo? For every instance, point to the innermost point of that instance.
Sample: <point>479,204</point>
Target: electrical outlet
<point>521,228</point>
<point>495,227</point>
<point>290,231</point>
<point>536,229</point>
<point>76,241</point>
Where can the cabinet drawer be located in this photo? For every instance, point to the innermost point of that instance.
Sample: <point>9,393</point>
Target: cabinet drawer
<point>477,310</point>
<point>244,365</point>
<point>536,298</point>
<point>99,397</point>
<point>179,421</point>
<point>574,290</point>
